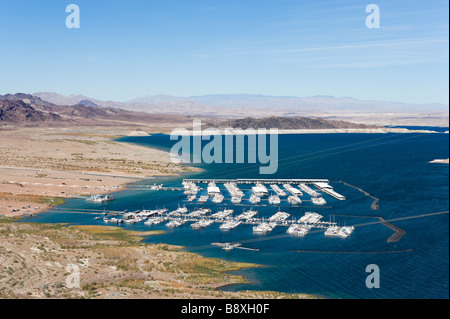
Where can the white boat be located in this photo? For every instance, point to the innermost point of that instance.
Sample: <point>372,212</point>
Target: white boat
<point>99,198</point>
<point>190,188</point>
<point>236,199</point>
<point>175,223</point>
<point>157,220</point>
<point>311,218</point>
<point>346,231</point>
<point>203,199</point>
<point>332,231</point>
<point>294,191</point>
<point>114,221</point>
<point>154,221</point>
<point>191,198</point>
<point>247,215</point>
<point>223,213</point>
<point>260,190</point>
<point>318,200</point>
<point>254,199</point>
<point>202,223</point>
<point>231,224</point>
<point>199,212</point>
<point>234,190</point>
<point>279,217</point>
<point>278,190</point>
<point>309,191</point>
<point>274,200</point>
<point>297,229</point>
<point>264,227</point>
<point>228,247</point>
<point>294,200</point>
<point>218,198</point>
<point>182,210</point>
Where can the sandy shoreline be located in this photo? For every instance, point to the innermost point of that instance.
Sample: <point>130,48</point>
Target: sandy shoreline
<point>40,168</point>
<point>40,165</point>
<point>440,161</point>
<point>383,130</point>
<point>38,261</point>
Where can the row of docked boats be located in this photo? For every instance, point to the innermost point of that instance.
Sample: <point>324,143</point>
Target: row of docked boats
<point>264,227</point>
<point>230,224</point>
<point>190,188</point>
<point>218,198</point>
<point>336,231</point>
<point>311,218</point>
<point>258,192</point>
<point>279,217</point>
<point>278,190</point>
<point>100,198</point>
<point>299,230</point>
<point>203,223</point>
<point>274,200</point>
<point>223,213</point>
<point>201,219</point>
<point>235,192</point>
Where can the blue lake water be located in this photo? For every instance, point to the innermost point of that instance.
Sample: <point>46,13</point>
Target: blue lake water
<point>392,167</point>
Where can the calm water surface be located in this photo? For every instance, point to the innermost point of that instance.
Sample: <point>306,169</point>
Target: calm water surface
<point>392,167</point>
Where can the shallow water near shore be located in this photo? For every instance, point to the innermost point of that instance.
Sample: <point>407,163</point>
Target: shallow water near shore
<point>392,167</point>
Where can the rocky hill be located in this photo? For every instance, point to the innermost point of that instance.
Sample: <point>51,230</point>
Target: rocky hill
<point>21,112</point>
<point>291,123</point>
<point>27,109</point>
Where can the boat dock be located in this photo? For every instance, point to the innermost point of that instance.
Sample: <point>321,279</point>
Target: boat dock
<point>326,188</point>
<point>399,233</point>
<point>257,180</point>
<point>228,246</point>
<point>260,189</point>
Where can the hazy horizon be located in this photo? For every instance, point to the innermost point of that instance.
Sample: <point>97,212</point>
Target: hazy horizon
<point>124,50</point>
<point>221,94</point>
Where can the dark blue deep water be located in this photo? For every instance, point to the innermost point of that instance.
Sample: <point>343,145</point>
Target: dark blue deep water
<point>392,167</point>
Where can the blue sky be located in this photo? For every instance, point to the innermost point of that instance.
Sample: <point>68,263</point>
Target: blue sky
<point>126,49</point>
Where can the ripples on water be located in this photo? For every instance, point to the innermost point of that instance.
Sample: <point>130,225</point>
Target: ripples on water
<point>392,167</point>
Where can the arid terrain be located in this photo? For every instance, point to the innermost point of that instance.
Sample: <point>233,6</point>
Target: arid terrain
<point>39,166</point>
<point>42,166</point>
<point>50,152</point>
<point>46,261</point>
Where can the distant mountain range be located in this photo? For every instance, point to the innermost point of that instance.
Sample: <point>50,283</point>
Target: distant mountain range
<point>29,109</point>
<point>32,110</point>
<point>239,105</point>
<point>55,108</point>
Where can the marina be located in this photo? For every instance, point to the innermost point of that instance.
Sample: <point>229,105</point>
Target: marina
<point>276,247</point>
<point>229,246</point>
<point>203,218</point>
<point>255,180</point>
<point>369,235</point>
<point>326,188</point>
<point>260,191</point>
<point>273,191</point>
<point>100,198</point>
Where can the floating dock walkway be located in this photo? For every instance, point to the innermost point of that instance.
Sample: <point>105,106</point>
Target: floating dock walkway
<point>256,180</point>
<point>326,188</point>
<point>399,233</point>
<point>228,246</point>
